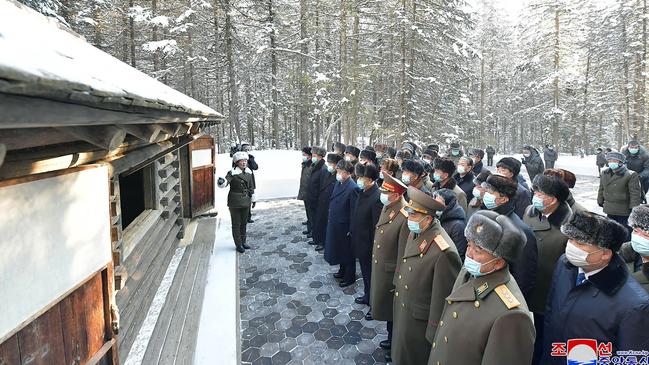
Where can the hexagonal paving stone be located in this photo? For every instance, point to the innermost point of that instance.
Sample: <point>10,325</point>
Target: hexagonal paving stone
<point>318,348</point>
<point>270,302</point>
<point>249,355</point>
<point>288,313</point>
<point>276,336</point>
<point>364,359</point>
<point>283,324</point>
<point>322,334</point>
<point>333,303</point>
<point>315,284</point>
<point>356,315</point>
<point>289,291</point>
<point>294,331</point>
<point>322,297</point>
<point>331,356</point>
<point>293,304</point>
<point>352,338</point>
<point>335,342</point>
<point>304,310</point>
<point>342,319</point>
<point>310,327</point>
<point>349,351</point>
<point>305,339</point>
<point>281,358</point>
<point>258,341</point>
<point>354,326</point>
<point>379,355</point>
<point>299,321</point>
<point>287,344</point>
<point>338,330</point>
<point>256,322</point>
<point>367,333</point>
<point>269,349</point>
<point>329,313</point>
<point>315,316</point>
<point>366,346</point>
<point>326,323</point>
<point>263,361</point>
<point>249,333</point>
<point>272,318</point>
<point>265,329</point>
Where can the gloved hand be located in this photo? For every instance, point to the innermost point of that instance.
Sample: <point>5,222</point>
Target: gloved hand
<point>254,204</point>
<point>221,183</point>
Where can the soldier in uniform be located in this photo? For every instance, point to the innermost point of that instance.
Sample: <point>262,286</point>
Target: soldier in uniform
<point>426,273</point>
<point>486,320</point>
<point>390,229</point>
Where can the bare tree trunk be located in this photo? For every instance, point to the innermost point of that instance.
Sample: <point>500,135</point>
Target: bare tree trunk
<point>190,52</point>
<point>586,114</point>
<point>343,73</point>
<point>131,35</point>
<point>355,109</point>
<point>318,117</point>
<point>234,91</point>
<point>556,116</point>
<point>303,80</point>
<point>154,36</point>
<point>273,63</point>
<point>626,131</point>
<point>403,107</point>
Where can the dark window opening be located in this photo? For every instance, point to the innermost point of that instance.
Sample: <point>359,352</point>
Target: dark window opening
<point>132,196</point>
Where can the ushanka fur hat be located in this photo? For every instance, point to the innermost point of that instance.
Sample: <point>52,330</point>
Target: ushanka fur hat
<point>639,217</point>
<point>510,164</point>
<point>369,171</point>
<point>414,166</point>
<point>345,166</point>
<point>594,229</point>
<point>551,185</point>
<point>241,155</point>
<point>334,158</point>
<point>368,155</point>
<point>495,233</point>
<point>306,150</point>
<point>318,151</point>
<point>444,164</point>
<point>338,146</point>
<point>567,176</point>
<point>502,185</point>
<point>353,150</point>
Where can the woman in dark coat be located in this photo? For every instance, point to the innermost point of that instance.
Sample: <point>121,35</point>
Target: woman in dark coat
<point>464,176</point>
<point>532,161</point>
<point>452,219</point>
<point>313,185</point>
<point>240,197</point>
<point>338,250</point>
<point>327,181</point>
<point>363,224</point>
<point>304,183</point>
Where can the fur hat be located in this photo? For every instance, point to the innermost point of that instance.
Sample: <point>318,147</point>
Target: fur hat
<point>613,155</point>
<point>444,164</point>
<point>482,177</point>
<point>338,145</point>
<point>568,177</point>
<point>434,147</point>
<point>353,150</point>
<point>455,145</point>
<point>369,148</point>
<point>389,164</point>
<point>501,184</point>
<point>468,160</point>
<point>238,156</point>
<point>428,168</point>
<point>380,147</point>
<point>447,194</point>
<point>318,151</point>
<point>369,171</point>
<point>430,152</point>
<point>368,155</point>
<point>334,158</point>
<point>551,185</point>
<point>392,152</point>
<point>639,217</point>
<point>497,234</point>
<point>306,150</point>
<point>414,166</point>
<point>410,146</point>
<point>510,164</point>
<point>595,229</point>
<point>345,166</point>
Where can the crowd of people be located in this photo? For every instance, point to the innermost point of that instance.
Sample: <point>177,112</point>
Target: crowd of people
<point>470,264</point>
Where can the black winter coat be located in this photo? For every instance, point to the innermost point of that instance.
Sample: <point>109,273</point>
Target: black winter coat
<point>338,246</point>
<point>477,168</point>
<point>524,269</point>
<point>363,222</point>
<point>326,187</point>
<point>304,180</point>
<point>608,307</point>
<point>453,221</point>
<point>534,164</point>
<point>465,183</point>
<point>313,188</point>
<point>638,162</point>
<point>550,155</point>
<point>522,200</point>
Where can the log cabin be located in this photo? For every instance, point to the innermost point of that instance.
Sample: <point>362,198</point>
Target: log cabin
<point>101,167</point>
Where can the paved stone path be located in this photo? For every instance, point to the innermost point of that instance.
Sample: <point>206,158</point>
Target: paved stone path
<point>292,309</point>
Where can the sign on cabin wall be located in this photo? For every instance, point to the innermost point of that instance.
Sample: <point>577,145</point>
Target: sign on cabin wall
<point>55,235</point>
<point>202,158</point>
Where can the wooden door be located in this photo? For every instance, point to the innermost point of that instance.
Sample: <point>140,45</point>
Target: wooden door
<point>201,162</point>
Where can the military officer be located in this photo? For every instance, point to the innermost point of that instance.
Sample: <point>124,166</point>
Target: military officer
<point>486,320</point>
<point>427,271</point>
<point>390,228</point>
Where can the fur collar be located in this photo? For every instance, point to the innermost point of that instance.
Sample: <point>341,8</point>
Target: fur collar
<point>557,218</point>
<point>611,279</point>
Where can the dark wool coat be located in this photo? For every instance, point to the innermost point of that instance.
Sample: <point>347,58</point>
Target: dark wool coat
<point>465,183</point>
<point>326,186</point>
<point>638,162</point>
<point>313,188</point>
<point>609,306</point>
<point>551,244</point>
<point>363,222</point>
<point>477,168</point>
<point>550,155</point>
<point>242,186</point>
<point>619,192</point>
<point>534,164</point>
<point>453,222</point>
<point>525,268</point>
<point>304,180</point>
<point>522,200</point>
<point>338,247</point>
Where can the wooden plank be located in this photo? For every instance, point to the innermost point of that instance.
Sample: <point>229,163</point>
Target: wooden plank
<point>73,321</point>
<point>10,352</point>
<point>16,139</point>
<point>103,351</point>
<point>41,342</point>
<point>147,133</point>
<point>106,137</point>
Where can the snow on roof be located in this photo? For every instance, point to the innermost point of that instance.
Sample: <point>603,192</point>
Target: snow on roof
<point>40,57</point>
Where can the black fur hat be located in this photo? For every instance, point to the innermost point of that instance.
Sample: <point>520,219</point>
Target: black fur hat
<point>482,177</point>
<point>428,168</point>
<point>369,148</point>
<point>353,150</point>
<point>434,147</point>
<point>318,151</point>
<point>392,152</point>
<point>496,233</point>
<point>551,185</point>
<point>444,164</point>
<point>404,154</point>
<point>447,194</point>
<point>339,145</point>
<point>334,158</point>
<point>455,145</point>
<point>345,166</point>
<point>595,229</point>
<point>501,184</point>
<point>414,166</point>
<point>368,155</point>
<point>478,152</point>
<point>510,164</point>
<point>639,217</point>
<point>430,152</point>
<point>306,150</point>
<point>369,171</point>
<point>411,146</point>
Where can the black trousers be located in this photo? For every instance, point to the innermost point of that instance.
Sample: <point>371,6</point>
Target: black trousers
<point>623,220</point>
<point>490,160</point>
<point>309,218</point>
<point>349,272</point>
<point>239,217</point>
<point>389,326</point>
<point>549,164</point>
<point>366,271</point>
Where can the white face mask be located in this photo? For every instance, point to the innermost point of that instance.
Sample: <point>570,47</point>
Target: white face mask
<point>577,256</point>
